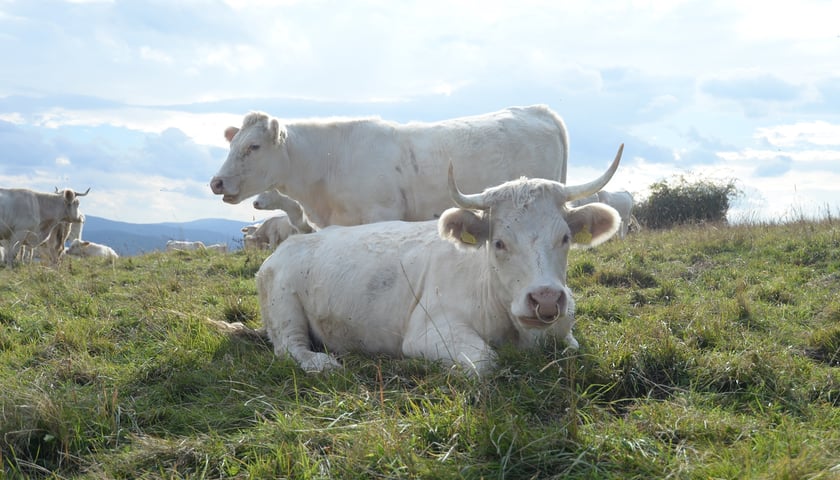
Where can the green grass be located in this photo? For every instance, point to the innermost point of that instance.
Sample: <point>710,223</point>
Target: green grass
<point>705,353</point>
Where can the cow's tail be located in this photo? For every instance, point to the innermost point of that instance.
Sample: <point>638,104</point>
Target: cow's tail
<point>238,329</point>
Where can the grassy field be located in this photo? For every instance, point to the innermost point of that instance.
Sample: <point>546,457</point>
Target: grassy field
<point>705,353</point>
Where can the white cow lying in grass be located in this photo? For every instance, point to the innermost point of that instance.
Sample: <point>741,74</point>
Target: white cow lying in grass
<point>84,248</point>
<point>490,272</point>
<point>174,245</point>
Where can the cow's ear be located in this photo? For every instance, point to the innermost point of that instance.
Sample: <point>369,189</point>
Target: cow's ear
<point>464,228</point>
<point>592,224</point>
<point>230,132</point>
<point>275,132</point>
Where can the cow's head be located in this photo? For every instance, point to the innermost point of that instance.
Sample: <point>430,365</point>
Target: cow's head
<point>71,212</point>
<point>528,228</point>
<point>257,151</point>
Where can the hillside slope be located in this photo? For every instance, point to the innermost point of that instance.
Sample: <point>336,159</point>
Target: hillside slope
<point>706,352</point>
<point>133,238</point>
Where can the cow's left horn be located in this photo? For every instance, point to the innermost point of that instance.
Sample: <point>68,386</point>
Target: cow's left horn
<point>474,201</point>
<point>82,194</point>
<point>574,192</point>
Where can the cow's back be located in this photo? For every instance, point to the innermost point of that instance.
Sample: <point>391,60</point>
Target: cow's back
<point>18,211</point>
<point>354,291</point>
<point>485,150</point>
<point>367,170</point>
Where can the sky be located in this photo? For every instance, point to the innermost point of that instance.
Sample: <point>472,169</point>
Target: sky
<point>131,98</point>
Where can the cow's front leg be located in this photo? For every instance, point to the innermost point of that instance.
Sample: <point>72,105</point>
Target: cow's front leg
<point>452,346</point>
<point>287,325</point>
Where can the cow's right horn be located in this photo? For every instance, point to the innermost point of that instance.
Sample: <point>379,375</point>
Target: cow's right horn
<point>574,192</point>
<point>82,194</point>
<point>474,201</point>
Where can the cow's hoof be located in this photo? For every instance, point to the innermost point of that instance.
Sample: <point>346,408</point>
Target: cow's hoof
<point>318,362</point>
<point>571,343</point>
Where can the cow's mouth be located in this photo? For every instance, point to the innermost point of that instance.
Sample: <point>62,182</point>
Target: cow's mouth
<point>534,322</point>
<point>542,321</point>
<point>234,199</point>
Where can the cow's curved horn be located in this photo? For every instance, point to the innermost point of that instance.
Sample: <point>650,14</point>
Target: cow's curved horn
<point>574,192</point>
<point>82,194</point>
<point>474,201</point>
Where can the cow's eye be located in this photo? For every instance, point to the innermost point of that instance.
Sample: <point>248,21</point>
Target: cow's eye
<point>253,148</point>
<point>565,239</point>
<point>500,245</point>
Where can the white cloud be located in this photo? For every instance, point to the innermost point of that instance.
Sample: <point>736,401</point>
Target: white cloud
<point>62,161</point>
<point>233,58</point>
<point>753,100</point>
<point>802,133</point>
<point>204,129</point>
<point>154,55</point>
<point>799,21</point>
<point>12,117</point>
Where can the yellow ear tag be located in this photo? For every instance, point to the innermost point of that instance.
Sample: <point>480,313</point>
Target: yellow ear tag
<point>584,236</point>
<point>468,237</point>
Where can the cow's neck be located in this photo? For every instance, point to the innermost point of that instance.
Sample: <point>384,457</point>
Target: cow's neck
<point>312,169</point>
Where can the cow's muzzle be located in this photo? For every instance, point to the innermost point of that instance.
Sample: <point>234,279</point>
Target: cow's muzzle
<point>217,185</point>
<point>549,304</point>
<point>220,187</point>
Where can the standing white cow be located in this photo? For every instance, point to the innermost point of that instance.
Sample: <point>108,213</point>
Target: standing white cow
<point>490,272</point>
<point>621,201</point>
<point>27,217</point>
<point>356,171</point>
<point>84,248</point>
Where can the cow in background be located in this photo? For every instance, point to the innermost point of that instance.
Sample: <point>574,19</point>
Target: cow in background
<point>274,200</point>
<point>28,217</point>
<point>84,248</point>
<point>270,233</point>
<point>621,201</point>
<point>218,247</point>
<point>364,170</point>
<point>176,245</point>
<point>52,249</point>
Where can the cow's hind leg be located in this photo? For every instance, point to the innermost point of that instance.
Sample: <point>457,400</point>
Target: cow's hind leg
<point>286,324</point>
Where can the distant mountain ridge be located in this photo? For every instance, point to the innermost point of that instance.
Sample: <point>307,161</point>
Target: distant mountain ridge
<point>138,238</point>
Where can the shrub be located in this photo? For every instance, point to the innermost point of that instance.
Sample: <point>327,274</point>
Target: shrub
<point>679,201</point>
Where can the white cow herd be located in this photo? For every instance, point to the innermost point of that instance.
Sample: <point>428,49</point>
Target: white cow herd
<point>30,220</point>
<point>376,249</point>
<point>397,260</point>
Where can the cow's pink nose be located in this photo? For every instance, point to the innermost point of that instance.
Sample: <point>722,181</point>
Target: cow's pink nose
<point>217,185</point>
<point>547,301</point>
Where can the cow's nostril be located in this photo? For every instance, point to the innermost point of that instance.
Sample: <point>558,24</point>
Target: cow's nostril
<point>216,185</point>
